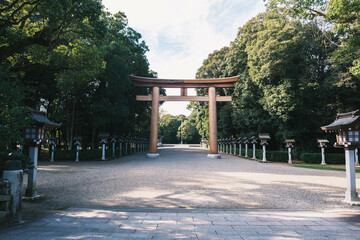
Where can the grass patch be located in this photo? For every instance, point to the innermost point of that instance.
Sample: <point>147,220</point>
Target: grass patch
<point>326,167</point>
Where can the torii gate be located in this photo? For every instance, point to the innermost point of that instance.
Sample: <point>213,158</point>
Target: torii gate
<point>156,84</point>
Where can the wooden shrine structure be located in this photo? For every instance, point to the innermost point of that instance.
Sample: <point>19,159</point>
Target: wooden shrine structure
<point>155,98</point>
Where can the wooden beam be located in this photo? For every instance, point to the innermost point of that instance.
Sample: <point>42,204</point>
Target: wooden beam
<point>183,98</point>
<point>184,83</point>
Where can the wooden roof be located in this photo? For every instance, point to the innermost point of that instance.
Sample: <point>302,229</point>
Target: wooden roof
<point>181,83</point>
<point>343,120</point>
<point>40,119</point>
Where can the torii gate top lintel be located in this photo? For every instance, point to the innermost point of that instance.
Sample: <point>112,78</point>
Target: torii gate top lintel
<point>155,97</point>
<point>184,83</point>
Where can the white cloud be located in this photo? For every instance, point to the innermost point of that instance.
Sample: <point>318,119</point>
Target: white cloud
<point>181,33</point>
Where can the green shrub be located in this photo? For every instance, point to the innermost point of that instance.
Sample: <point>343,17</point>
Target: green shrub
<point>277,156</point>
<point>330,158</point>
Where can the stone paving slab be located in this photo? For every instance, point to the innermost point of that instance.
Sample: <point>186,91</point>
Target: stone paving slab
<point>152,223</point>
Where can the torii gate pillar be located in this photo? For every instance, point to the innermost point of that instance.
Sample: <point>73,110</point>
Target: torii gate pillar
<point>213,124</point>
<point>211,84</point>
<point>154,125</point>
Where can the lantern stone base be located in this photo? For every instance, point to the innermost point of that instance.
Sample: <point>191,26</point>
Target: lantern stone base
<point>352,198</point>
<point>153,155</point>
<point>214,156</point>
<point>31,194</point>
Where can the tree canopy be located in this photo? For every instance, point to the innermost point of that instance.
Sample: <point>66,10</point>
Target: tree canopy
<point>294,73</point>
<point>72,59</point>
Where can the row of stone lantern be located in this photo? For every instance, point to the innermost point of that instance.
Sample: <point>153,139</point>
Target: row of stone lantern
<point>127,145</point>
<point>228,145</point>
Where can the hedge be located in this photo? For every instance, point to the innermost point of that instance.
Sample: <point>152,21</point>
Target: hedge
<point>330,158</point>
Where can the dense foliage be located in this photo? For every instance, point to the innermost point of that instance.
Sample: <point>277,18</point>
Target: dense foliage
<point>72,59</point>
<point>295,74</point>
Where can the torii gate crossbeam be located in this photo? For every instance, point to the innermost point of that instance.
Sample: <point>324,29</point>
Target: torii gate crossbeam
<point>155,98</point>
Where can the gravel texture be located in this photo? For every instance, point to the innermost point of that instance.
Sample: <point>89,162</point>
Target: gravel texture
<point>185,178</point>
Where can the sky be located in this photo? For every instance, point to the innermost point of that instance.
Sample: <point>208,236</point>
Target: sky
<point>182,33</point>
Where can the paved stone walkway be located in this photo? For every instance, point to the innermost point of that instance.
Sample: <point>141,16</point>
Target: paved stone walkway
<point>138,223</point>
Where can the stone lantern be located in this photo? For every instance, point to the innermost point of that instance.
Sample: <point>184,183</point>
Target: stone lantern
<point>246,142</point>
<point>233,141</point>
<point>33,137</point>
<point>121,140</point>
<point>103,141</point>
<point>289,144</point>
<point>113,141</point>
<point>77,143</point>
<point>264,138</point>
<point>227,145</point>
<point>347,129</point>
<point>126,140</point>
<point>323,144</point>
<point>254,141</point>
<point>230,145</point>
<point>52,142</point>
<point>239,141</point>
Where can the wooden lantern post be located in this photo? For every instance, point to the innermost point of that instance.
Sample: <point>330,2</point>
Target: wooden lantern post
<point>155,98</point>
<point>347,129</point>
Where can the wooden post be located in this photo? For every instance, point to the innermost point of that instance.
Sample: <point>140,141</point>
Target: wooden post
<point>213,124</point>
<point>153,153</point>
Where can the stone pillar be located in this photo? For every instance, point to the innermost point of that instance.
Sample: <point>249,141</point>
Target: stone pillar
<point>120,148</point>
<point>113,149</point>
<point>289,151</point>
<point>31,192</point>
<point>126,147</point>
<point>239,149</point>
<point>264,153</point>
<point>351,195</point>
<point>15,177</point>
<point>153,153</point>
<point>235,148</point>
<point>246,150</point>
<point>77,152</point>
<point>254,151</point>
<point>230,151</point>
<point>52,152</point>
<point>323,156</point>
<point>103,152</point>
<point>213,124</point>
<point>356,156</point>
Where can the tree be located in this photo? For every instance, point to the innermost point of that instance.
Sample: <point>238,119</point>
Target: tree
<point>168,127</point>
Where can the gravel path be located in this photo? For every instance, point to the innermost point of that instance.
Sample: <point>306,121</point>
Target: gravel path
<point>186,178</point>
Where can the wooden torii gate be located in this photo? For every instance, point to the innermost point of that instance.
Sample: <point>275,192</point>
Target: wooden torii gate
<point>155,98</point>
